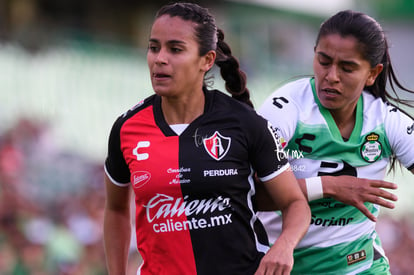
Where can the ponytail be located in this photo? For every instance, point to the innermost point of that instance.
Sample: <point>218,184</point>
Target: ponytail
<point>235,79</point>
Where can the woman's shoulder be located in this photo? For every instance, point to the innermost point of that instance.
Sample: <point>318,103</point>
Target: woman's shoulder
<point>296,91</point>
<point>226,102</point>
<point>376,105</point>
<point>377,109</point>
<point>294,95</point>
<point>223,105</point>
<point>121,119</point>
<point>295,86</point>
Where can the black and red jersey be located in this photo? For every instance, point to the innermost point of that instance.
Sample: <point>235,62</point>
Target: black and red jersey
<point>194,192</point>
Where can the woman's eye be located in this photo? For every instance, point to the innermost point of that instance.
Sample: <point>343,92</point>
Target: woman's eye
<point>347,69</point>
<point>324,61</point>
<point>176,50</point>
<point>152,48</point>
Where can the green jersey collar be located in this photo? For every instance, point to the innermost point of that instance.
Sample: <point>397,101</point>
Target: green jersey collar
<point>356,132</point>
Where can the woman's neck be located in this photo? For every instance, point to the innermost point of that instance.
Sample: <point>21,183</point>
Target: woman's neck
<point>345,121</point>
<point>182,110</point>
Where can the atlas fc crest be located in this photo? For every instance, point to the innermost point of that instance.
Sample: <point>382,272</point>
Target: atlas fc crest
<point>371,149</point>
<point>217,145</point>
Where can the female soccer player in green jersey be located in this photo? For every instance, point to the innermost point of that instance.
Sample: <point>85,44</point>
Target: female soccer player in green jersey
<point>340,134</point>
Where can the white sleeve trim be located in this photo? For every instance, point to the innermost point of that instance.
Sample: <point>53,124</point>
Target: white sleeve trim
<point>275,173</point>
<point>120,184</point>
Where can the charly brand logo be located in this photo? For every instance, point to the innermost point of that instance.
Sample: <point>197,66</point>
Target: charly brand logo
<point>410,129</point>
<point>371,149</point>
<point>217,145</point>
<point>141,155</point>
<point>139,178</point>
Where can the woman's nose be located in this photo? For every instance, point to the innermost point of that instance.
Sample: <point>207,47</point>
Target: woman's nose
<point>161,57</point>
<point>332,74</point>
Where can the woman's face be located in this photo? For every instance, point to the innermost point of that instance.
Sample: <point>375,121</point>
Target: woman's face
<point>341,73</point>
<point>173,57</point>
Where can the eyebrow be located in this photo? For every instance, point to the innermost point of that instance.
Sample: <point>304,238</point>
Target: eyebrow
<point>168,42</point>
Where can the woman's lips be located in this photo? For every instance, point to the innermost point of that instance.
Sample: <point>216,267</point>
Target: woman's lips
<point>160,76</point>
<point>331,91</point>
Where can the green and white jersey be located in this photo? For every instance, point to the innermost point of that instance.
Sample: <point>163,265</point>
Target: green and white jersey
<point>340,239</point>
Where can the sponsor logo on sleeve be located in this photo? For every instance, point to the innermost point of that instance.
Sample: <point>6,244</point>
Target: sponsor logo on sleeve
<point>133,108</point>
<point>277,135</point>
<point>281,151</point>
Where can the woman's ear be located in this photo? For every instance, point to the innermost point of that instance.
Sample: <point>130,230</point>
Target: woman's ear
<point>208,60</point>
<point>374,72</point>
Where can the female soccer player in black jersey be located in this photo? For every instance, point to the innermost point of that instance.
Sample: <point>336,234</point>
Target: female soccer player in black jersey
<point>189,155</point>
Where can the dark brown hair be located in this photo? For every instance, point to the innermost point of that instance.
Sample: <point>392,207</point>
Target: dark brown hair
<point>209,37</point>
<point>374,48</point>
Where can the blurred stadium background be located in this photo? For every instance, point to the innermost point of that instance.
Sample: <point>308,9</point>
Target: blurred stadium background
<point>68,68</point>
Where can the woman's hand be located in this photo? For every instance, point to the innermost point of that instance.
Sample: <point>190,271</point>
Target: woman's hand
<point>287,196</point>
<point>278,260</point>
<point>355,191</point>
